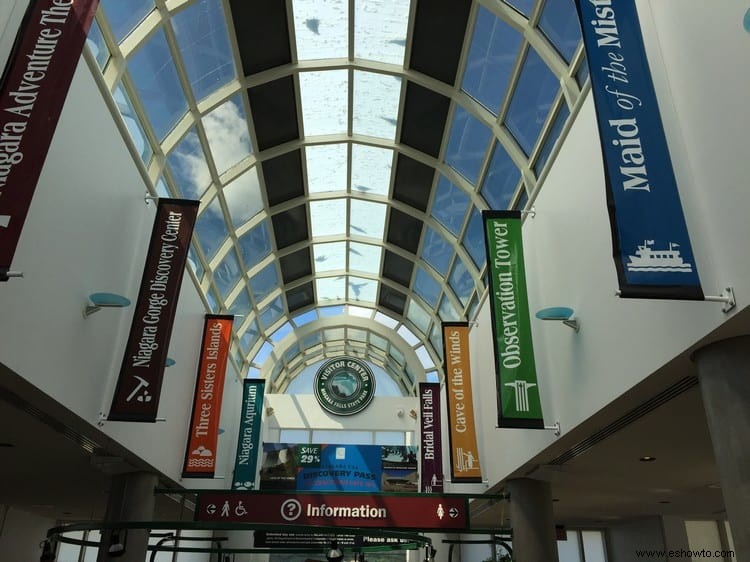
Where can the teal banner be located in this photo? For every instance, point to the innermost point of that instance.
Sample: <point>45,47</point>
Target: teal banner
<point>519,404</point>
<point>248,441</point>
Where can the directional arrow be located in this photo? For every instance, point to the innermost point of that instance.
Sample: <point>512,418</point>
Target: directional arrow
<point>453,512</point>
<point>211,508</point>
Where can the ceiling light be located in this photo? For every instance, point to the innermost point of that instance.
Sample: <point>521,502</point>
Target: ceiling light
<point>647,459</point>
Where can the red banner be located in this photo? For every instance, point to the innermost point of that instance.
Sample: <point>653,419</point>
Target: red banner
<point>423,513</point>
<point>138,389</point>
<point>200,455</point>
<point>33,90</point>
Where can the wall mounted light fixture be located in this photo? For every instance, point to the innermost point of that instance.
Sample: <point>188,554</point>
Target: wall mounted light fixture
<point>97,301</point>
<point>563,314</point>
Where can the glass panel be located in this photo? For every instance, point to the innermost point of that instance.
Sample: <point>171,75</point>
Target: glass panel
<point>123,17</point>
<point>436,339</point>
<point>408,335</point>
<point>365,257</point>
<point>522,200</point>
<point>188,166</point>
<point>347,437</point>
<point>211,300</point>
<point>195,263</point>
<point>362,289</point>
<point>569,549</point>
<point>291,353</point>
<point>321,28</point>
<point>474,239</point>
<point>532,100</point>
<point>397,356</point>
<point>325,97</point>
<point>593,546</point>
<point>157,83</point>
<point>133,124</point>
<point>270,314</point>
<point>549,142</point>
<point>331,288</point>
<point>70,552</point>
<point>281,333</point>
<point>312,340</point>
<point>326,168</point>
<point>250,337</point>
<point>97,46</point>
<point>385,320</point>
<point>161,188</point>
<point>426,287</point>
<point>493,53</point>
<point>327,217</point>
<point>255,245</point>
<point>263,353</point>
<point>461,282</point>
<point>450,204</point>
<point>559,22</point>
<point>90,552</point>
<point>359,311</point>
<point>241,305</point>
<point>371,169</point>
<point>447,311</point>
<point>227,273</point>
<point>201,33</point>
<point>356,335</point>
<point>226,131</point>
<point>329,257</point>
<point>501,180</point>
<point>375,104</point>
<point>210,229</point>
<point>264,283</point>
<point>583,72</point>
<point>424,357</point>
<point>380,30</point>
<point>305,317</point>
<point>328,311</point>
<point>419,316</point>
<point>436,251</point>
<point>523,6</point>
<point>377,341</point>
<point>243,197</point>
<point>368,219</point>
<point>467,144</point>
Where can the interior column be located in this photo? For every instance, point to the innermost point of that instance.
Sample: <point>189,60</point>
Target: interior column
<point>131,498</point>
<point>724,373</point>
<point>531,518</point>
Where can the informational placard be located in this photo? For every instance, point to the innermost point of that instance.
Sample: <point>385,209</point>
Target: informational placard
<point>423,513</point>
<point>33,89</point>
<point>248,440</point>
<point>200,454</point>
<point>464,455</point>
<point>652,250</point>
<point>519,404</point>
<point>431,449</point>
<point>138,390</point>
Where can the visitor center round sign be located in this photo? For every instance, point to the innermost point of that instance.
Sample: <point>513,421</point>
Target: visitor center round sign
<point>344,386</point>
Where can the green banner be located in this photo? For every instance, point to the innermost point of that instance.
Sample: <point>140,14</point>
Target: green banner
<point>519,404</point>
<point>246,463</point>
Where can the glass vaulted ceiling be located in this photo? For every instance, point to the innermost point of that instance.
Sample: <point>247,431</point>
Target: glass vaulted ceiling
<point>342,151</point>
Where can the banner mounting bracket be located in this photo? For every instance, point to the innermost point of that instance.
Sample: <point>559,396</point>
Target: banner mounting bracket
<point>726,297</point>
<point>555,428</point>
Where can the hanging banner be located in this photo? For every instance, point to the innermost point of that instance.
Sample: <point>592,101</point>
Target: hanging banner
<point>432,440</point>
<point>32,93</point>
<point>519,404</point>
<point>463,438</point>
<point>652,250</point>
<point>136,396</point>
<point>200,454</point>
<point>248,440</point>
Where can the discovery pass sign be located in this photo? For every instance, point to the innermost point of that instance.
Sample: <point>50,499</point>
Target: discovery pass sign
<point>519,404</point>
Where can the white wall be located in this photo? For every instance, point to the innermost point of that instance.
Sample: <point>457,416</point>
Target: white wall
<point>568,244</point>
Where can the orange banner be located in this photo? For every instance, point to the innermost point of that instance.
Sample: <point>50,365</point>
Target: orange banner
<point>200,456</point>
<point>463,438</point>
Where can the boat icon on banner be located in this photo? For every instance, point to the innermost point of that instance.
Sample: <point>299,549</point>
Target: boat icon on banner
<point>647,258</point>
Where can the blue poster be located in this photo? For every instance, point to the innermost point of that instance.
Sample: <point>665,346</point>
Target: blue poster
<point>344,468</point>
<point>652,251</point>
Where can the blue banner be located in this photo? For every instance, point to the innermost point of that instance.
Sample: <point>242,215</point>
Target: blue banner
<point>248,441</point>
<point>652,251</point>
